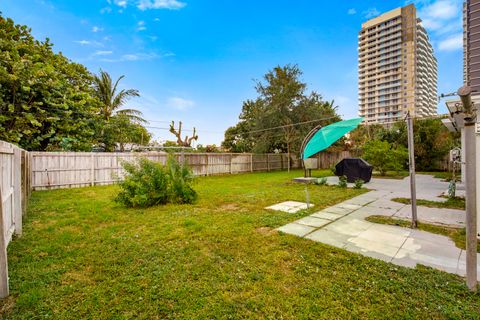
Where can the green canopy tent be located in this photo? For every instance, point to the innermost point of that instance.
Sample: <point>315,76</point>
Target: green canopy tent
<point>320,139</point>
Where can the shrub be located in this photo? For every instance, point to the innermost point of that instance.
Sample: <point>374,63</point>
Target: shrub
<point>384,156</point>
<point>148,183</point>
<point>342,181</point>
<point>358,183</point>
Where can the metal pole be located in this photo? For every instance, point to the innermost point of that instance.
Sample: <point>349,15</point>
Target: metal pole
<point>411,167</point>
<point>470,185</point>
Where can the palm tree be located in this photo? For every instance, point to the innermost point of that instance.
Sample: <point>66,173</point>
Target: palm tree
<point>112,101</point>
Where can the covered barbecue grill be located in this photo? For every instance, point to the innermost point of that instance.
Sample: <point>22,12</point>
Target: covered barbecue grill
<point>354,169</point>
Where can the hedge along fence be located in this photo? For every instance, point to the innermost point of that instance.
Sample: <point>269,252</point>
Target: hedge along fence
<point>15,189</point>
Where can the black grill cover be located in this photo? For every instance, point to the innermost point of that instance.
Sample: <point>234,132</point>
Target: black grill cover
<point>354,168</point>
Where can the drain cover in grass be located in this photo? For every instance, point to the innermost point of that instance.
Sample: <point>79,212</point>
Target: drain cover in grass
<point>289,206</point>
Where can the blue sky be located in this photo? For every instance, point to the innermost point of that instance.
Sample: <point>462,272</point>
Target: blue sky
<point>195,60</point>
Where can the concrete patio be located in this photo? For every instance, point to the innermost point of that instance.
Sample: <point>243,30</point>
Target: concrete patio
<point>344,226</point>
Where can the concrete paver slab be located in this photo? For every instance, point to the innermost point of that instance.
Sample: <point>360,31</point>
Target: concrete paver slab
<point>435,215</point>
<point>296,229</point>
<point>290,206</point>
<point>336,209</point>
<point>462,266</point>
<point>350,206</point>
<point>386,204</point>
<point>344,226</point>
<point>443,263</point>
<point>329,237</point>
<point>372,249</point>
<point>374,211</point>
<point>349,226</point>
<point>313,221</point>
<point>327,215</point>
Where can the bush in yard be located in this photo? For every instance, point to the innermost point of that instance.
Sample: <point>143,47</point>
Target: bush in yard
<point>342,181</point>
<point>148,183</point>
<point>384,156</point>
<point>358,184</point>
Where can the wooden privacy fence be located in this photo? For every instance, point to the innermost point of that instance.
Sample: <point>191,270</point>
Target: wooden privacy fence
<point>76,169</point>
<point>14,192</point>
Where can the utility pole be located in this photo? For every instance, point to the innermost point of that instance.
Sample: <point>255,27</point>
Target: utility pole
<point>411,168</point>
<point>470,185</point>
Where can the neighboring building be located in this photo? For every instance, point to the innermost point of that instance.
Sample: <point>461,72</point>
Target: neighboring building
<point>397,68</point>
<point>471,45</point>
<point>471,77</point>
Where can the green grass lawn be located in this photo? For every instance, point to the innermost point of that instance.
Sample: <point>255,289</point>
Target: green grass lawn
<point>450,203</point>
<point>82,256</point>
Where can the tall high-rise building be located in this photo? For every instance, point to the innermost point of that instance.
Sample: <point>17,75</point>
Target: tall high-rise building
<point>397,69</point>
<point>471,45</point>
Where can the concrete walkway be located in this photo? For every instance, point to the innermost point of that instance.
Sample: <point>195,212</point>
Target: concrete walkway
<point>344,226</point>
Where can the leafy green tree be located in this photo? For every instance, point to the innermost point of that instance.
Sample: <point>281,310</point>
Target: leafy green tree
<point>384,156</point>
<point>432,140</point>
<point>121,130</point>
<point>46,101</point>
<point>433,143</point>
<point>282,103</point>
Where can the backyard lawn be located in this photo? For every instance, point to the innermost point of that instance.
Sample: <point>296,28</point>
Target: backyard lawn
<point>84,256</point>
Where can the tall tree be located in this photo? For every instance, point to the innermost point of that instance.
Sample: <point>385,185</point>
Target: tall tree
<point>46,101</point>
<point>113,100</point>
<point>120,125</point>
<point>283,105</point>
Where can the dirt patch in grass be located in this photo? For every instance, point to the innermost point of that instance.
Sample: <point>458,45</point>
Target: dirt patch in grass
<point>229,207</point>
<point>266,231</point>
<point>6,305</point>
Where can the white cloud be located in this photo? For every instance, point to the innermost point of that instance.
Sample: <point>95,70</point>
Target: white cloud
<point>180,103</point>
<point>451,43</point>
<point>96,29</point>
<point>102,52</point>
<point>121,3</point>
<point>160,4</point>
<point>443,21</point>
<point>105,10</point>
<point>438,15</point>
<point>444,9</point>
<point>352,11</point>
<point>141,26</point>
<point>370,13</point>
<point>88,43</point>
<point>133,57</point>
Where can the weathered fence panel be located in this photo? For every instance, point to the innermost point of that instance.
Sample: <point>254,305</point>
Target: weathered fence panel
<point>14,191</point>
<point>76,169</point>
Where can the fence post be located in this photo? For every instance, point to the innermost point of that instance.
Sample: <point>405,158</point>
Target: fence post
<point>3,253</point>
<point>206,161</point>
<point>92,169</point>
<point>268,164</point>
<point>17,189</point>
<point>231,157</point>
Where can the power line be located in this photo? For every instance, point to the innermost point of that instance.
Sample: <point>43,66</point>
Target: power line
<point>289,125</point>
